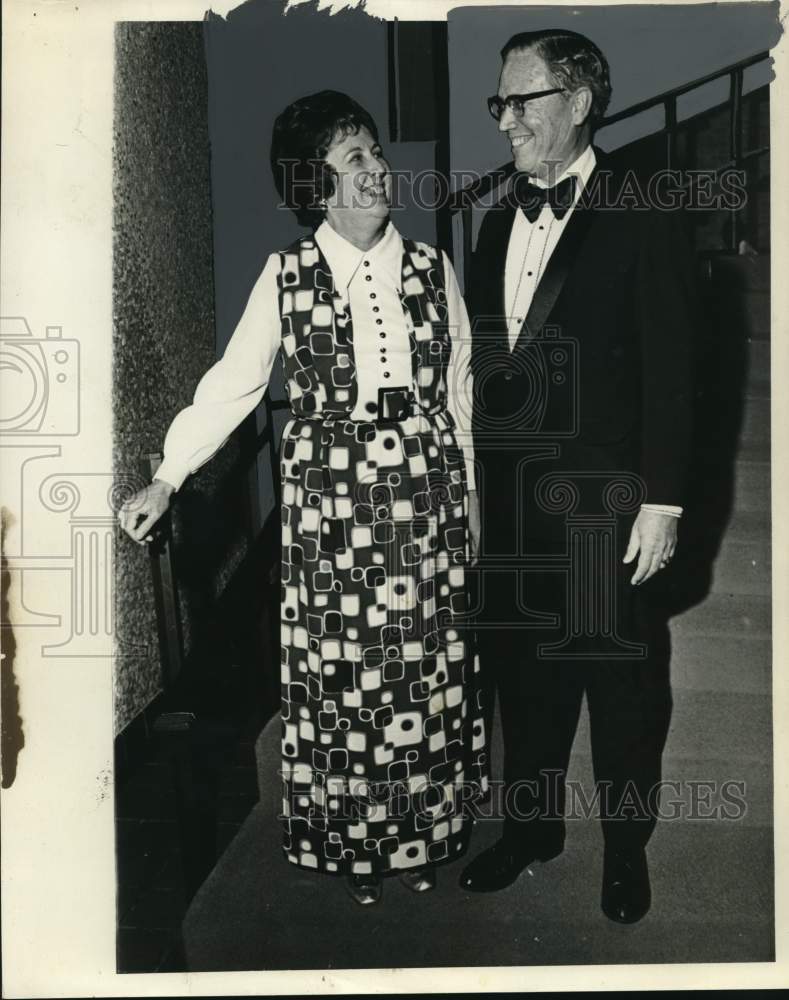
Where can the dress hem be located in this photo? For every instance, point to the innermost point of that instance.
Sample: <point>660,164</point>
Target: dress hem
<point>382,873</point>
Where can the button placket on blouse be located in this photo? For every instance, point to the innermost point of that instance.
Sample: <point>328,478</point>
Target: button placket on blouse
<point>384,359</point>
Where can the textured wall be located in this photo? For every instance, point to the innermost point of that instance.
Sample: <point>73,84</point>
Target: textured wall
<point>163,334</point>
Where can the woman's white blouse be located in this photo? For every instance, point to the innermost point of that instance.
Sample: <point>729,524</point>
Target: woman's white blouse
<point>234,386</point>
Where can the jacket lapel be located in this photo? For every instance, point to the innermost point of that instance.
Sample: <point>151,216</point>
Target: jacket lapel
<point>488,267</point>
<point>558,268</point>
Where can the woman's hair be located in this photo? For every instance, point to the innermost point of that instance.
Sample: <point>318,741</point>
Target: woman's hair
<point>573,60</point>
<point>300,140</point>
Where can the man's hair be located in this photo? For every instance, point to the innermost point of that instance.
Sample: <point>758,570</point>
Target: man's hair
<point>300,140</point>
<point>573,60</point>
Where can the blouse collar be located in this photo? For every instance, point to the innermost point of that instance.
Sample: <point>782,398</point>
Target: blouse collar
<point>344,259</point>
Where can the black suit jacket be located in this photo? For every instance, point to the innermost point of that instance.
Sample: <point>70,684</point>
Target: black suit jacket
<point>600,380</point>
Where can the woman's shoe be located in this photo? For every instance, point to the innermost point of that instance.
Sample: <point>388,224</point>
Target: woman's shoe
<point>419,879</point>
<point>365,889</point>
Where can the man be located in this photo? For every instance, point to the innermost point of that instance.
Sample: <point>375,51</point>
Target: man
<point>581,309</point>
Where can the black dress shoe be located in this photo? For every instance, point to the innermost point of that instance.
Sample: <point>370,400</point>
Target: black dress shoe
<point>500,865</point>
<point>626,894</point>
<point>366,890</point>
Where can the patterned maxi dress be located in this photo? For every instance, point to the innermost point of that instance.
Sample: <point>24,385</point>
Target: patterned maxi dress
<point>383,741</point>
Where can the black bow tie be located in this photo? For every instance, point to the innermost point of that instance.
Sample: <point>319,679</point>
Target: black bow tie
<point>531,198</point>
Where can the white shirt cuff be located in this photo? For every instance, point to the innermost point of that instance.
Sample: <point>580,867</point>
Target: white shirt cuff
<point>169,472</point>
<point>662,508</point>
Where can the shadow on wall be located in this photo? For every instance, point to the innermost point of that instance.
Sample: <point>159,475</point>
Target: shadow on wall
<point>258,61</point>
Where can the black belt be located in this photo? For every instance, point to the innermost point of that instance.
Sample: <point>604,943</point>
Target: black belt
<point>395,404</point>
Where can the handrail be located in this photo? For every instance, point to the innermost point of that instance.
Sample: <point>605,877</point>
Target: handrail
<point>464,200</point>
<point>651,102</point>
<point>165,589</point>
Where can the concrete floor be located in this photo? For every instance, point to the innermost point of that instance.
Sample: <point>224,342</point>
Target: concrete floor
<point>712,901</point>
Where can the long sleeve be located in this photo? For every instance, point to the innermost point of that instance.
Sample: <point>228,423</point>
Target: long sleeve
<point>230,389</point>
<point>667,315</point>
<point>459,378</point>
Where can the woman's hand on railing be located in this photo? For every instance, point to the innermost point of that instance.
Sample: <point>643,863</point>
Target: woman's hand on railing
<point>139,513</point>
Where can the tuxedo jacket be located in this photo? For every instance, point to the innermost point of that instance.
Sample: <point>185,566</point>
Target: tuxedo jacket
<point>600,381</point>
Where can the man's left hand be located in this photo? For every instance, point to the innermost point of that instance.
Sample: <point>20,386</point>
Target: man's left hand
<point>653,539</point>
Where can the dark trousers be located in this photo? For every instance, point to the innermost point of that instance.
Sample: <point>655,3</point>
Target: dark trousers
<point>629,701</point>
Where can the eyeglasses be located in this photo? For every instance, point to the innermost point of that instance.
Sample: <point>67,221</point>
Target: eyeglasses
<point>517,102</point>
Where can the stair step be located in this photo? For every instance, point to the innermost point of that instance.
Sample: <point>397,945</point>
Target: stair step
<point>752,450</point>
<point>757,388</point>
<point>725,729</point>
<point>745,615</point>
<point>718,757</point>
<point>759,354</point>
<point>743,567</point>
<point>752,485</point>
<point>728,663</point>
<point>696,788</point>
<point>730,727</point>
<point>742,271</point>
<point>749,526</point>
<point>756,420</point>
<point>756,313</point>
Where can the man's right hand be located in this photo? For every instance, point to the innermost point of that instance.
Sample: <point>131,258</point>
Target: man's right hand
<point>140,512</point>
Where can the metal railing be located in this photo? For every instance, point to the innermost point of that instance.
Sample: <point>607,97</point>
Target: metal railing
<point>464,200</point>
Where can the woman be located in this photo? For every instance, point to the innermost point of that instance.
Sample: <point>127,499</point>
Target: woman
<point>383,743</point>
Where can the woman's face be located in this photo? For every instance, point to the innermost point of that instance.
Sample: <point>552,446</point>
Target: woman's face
<point>362,182</point>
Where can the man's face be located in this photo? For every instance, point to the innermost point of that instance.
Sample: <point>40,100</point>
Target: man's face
<point>546,138</point>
